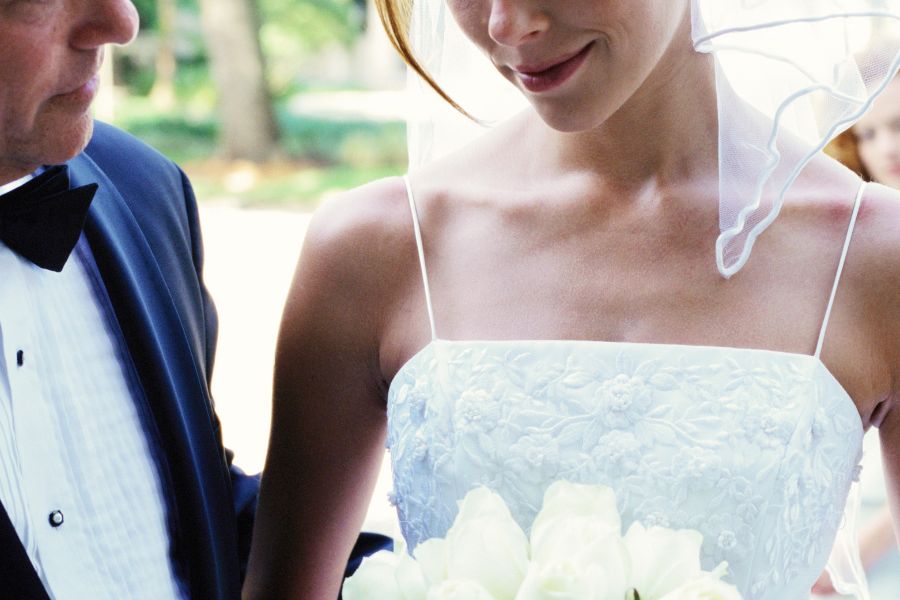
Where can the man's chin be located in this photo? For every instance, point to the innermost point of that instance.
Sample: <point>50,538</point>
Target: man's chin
<point>51,145</point>
<point>75,141</point>
<point>68,143</point>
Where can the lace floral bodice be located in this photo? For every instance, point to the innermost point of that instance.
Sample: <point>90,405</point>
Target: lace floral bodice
<point>755,449</point>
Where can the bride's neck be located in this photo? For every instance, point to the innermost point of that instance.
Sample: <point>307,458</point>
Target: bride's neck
<point>665,134</point>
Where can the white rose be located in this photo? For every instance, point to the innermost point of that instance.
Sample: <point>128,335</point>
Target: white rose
<point>432,558</point>
<point>459,589</point>
<point>565,499</point>
<point>585,543</point>
<point>486,545</point>
<point>410,578</point>
<point>575,536</point>
<point>662,559</point>
<point>374,579</point>
<point>566,579</point>
<point>580,523</point>
<point>704,588</point>
<point>389,575</point>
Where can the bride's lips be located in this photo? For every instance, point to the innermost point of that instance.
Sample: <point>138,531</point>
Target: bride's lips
<point>542,78</point>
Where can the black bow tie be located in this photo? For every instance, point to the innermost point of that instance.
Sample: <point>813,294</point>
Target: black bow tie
<point>42,220</point>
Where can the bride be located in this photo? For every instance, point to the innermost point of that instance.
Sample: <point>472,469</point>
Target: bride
<point>598,290</point>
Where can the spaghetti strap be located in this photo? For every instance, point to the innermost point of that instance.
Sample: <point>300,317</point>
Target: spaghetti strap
<point>840,269</point>
<point>421,249</point>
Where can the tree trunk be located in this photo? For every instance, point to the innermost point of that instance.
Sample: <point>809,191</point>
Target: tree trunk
<point>231,29</point>
<point>163,92</point>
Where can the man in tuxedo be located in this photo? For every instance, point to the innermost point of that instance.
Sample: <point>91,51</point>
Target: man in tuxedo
<point>113,479</point>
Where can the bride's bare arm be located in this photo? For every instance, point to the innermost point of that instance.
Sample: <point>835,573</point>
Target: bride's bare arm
<point>888,422</point>
<point>328,420</point>
<point>890,449</point>
<point>887,419</point>
<point>880,278</point>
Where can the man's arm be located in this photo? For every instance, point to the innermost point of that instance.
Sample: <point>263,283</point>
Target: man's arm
<point>244,488</point>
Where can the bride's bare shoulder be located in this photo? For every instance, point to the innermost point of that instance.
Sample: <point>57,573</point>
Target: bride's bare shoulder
<point>369,231</point>
<point>376,212</point>
<point>879,219</point>
<point>827,193</point>
<point>359,241</point>
<point>873,260</point>
<point>876,240</point>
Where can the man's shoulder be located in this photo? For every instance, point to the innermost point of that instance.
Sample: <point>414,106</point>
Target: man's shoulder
<point>110,141</point>
<point>123,157</point>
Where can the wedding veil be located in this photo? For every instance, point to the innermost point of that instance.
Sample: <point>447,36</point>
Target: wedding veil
<point>790,76</point>
<point>788,73</point>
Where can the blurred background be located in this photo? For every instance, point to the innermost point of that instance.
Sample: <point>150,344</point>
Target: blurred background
<point>264,102</point>
<point>269,106</point>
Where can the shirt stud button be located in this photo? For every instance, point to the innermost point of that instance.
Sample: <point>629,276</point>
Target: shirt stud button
<point>20,358</point>
<point>56,518</point>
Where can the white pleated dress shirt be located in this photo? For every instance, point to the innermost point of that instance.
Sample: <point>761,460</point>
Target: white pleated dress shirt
<point>78,477</point>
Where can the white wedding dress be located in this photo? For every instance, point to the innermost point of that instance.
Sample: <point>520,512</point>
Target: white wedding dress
<point>755,449</point>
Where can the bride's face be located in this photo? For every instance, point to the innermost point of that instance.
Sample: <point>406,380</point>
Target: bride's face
<point>576,61</point>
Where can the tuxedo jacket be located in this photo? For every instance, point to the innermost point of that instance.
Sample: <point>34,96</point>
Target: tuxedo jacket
<point>143,230</point>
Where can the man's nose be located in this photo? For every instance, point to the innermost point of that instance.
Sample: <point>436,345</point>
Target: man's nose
<point>105,22</point>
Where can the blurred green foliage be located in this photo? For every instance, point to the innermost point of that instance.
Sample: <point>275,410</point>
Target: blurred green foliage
<point>291,32</point>
<point>353,143</point>
<point>313,23</point>
<point>301,189</point>
<point>179,136</point>
<point>318,156</point>
<point>147,10</point>
<point>187,137</point>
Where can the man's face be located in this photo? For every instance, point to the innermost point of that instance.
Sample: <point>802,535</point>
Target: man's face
<point>50,54</point>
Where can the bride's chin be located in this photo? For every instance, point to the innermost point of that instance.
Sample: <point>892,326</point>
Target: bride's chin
<point>568,121</point>
<point>570,117</point>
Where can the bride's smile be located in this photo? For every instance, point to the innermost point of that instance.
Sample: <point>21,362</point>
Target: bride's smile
<point>546,77</point>
<point>608,50</point>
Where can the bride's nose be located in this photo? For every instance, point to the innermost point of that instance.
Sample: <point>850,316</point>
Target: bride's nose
<point>513,22</point>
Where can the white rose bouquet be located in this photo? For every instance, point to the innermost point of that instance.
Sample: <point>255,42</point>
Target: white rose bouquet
<point>576,552</point>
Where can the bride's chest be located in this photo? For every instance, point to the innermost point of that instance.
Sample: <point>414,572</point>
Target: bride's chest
<point>567,406</point>
<point>730,442</point>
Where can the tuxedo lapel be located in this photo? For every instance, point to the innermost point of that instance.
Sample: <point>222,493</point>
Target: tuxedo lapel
<point>157,326</point>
